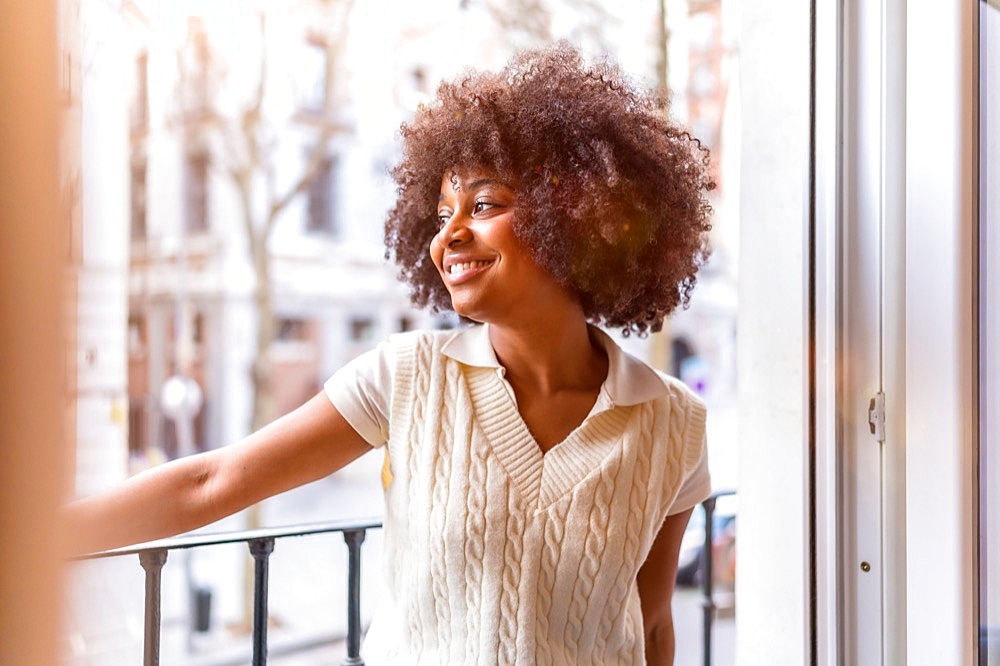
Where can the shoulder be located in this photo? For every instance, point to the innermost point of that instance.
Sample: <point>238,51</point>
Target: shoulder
<point>684,403</point>
<point>680,393</point>
<point>688,419</point>
<point>684,410</point>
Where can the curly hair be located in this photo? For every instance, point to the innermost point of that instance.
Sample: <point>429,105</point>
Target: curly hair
<point>610,196</point>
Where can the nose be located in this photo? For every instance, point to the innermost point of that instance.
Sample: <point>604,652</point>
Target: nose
<point>455,232</point>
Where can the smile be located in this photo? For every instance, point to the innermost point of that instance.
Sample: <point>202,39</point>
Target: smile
<point>459,268</point>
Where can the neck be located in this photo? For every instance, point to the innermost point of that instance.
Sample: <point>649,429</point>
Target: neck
<point>550,353</point>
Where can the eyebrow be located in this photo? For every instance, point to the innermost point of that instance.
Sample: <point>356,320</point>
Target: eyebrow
<point>480,183</point>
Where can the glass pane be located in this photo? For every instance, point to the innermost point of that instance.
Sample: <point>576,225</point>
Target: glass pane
<point>989,336</point>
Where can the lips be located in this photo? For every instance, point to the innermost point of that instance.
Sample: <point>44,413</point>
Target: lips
<point>457,269</point>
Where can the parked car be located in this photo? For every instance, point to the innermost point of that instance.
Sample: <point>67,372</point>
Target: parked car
<point>689,564</point>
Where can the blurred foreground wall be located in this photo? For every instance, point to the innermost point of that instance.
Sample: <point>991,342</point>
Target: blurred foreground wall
<point>32,399</point>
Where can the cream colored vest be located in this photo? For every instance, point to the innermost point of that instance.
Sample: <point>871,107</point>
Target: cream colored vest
<point>496,554</point>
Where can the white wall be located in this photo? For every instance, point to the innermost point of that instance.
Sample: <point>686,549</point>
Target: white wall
<point>772,617</point>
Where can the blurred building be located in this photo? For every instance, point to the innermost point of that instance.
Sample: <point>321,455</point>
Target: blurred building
<point>94,160</point>
<point>170,282</point>
<point>182,153</point>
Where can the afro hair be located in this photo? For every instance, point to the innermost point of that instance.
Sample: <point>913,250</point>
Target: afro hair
<point>610,195</point>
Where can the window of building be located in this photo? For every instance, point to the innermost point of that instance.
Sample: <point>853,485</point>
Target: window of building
<point>198,328</point>
<point>137,417</point>
<point>196,70</point>
<point>140,106</point>
<point>315,75</point>
<point>420,83</point>
<point>321,214</point>
<point>139,162</point>
<point>362,329</point>
<point>291,330</point>
<point>196,189</point>
<point>137,194</point>
<point>136,334</point>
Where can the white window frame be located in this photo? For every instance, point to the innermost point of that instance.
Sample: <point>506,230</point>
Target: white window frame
<point>918,110</point>
<point>941,202</point>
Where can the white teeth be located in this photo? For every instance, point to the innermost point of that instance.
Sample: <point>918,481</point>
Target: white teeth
<point>455,269</point>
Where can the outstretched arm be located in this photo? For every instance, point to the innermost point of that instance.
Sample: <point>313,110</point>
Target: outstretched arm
<point>302,446</point>
<point>656,589</point>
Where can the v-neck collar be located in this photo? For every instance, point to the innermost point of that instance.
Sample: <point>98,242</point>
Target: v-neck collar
<point>542,479</point>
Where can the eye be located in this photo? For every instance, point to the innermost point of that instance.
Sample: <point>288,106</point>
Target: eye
<point>481,206</point>
<point>442,217</point>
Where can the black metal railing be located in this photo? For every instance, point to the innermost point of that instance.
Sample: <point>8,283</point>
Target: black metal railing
<point>708,604</point>
<point>153,555</point>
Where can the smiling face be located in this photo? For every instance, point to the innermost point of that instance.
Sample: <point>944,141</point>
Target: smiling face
<point>488,272</point>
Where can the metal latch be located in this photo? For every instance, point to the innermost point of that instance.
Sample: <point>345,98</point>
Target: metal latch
<point>876,416</point>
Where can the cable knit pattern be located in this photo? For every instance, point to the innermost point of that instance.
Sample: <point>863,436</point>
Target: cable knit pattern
<point>513,552</point>
<point>439,497</point>
<point>552,538</point>
<point>475,547</point>
<point>636,510</point>
<point>497,554</point>
<point>639,505</point>
<point>409,414</point>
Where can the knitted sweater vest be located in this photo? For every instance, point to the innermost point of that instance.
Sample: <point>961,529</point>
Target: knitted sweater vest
<point>497,554</point>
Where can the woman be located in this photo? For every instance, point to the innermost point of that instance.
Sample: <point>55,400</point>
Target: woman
<point>538,479</point>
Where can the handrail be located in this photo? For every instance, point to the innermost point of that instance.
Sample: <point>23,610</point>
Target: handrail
<point>237,536</point>
<point>153,555</point>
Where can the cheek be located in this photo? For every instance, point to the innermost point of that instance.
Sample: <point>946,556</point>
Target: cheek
<point>436,252</point>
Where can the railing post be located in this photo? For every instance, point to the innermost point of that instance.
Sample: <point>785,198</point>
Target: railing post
<point>152,562</point>
<point>152,557</point>
<point>261,550</point>
<point>708,601</point>
<point>354,539</point>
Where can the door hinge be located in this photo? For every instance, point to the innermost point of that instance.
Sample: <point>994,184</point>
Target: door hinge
<point>876,417</point>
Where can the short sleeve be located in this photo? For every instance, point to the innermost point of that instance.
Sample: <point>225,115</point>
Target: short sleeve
<point>696,487</point>
<point>361,392</point>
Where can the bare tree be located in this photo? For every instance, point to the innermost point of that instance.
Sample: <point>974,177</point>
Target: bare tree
<point>245,143</point>
<point>241,142</point>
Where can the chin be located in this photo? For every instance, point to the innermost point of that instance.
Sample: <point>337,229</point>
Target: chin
<point>467,314</point>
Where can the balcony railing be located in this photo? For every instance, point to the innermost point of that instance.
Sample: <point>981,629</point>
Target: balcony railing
<point>153,555</point>
<point>708,604</point>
